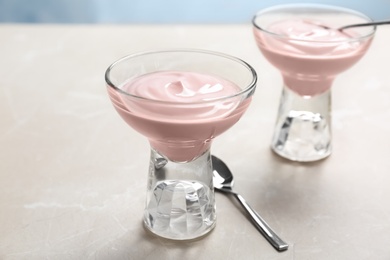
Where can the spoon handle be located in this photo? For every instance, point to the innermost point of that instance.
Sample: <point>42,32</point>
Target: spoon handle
<point>262,226</point>
<point>365,24</point>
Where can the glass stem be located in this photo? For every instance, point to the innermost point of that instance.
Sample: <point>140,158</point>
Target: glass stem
<point>180,200</point>
<point>303,126</point>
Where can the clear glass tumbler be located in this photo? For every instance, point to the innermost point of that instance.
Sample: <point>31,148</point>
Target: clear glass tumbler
<point>180,125</point>
<point>302,41</point>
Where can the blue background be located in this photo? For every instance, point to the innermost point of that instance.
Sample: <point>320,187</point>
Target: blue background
<point>159,11</point>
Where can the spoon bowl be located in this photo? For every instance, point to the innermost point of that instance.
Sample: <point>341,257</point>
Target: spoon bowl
<point>223,181</point>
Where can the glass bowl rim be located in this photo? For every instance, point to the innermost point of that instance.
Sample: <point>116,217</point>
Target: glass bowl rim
<point>249,88</point>
<point>317,6</point>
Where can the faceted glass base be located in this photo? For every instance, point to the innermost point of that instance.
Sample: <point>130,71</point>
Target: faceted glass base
<point>303,128</point>
<point>180,203</point>
<point>303,136</point>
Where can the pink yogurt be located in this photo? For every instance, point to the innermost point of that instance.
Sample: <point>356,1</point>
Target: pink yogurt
<point>179,112</point>
<point>309,55</point>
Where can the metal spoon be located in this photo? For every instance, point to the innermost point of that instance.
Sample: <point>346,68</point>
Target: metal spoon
<point>223,181</point>
<point>364,24</point>
<point>347,26</point>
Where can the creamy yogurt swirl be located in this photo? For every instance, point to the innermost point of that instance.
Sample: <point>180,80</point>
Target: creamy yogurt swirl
<point>180,86</point>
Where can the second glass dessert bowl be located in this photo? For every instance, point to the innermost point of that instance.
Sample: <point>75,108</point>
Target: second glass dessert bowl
<point>303,42</point>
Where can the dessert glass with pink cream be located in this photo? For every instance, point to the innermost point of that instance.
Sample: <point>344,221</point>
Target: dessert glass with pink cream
<point>303,42</point>
<point>180,100</point>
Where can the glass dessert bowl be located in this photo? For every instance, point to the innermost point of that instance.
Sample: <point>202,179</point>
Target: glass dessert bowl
<point>302,41</point>
<point>180,100</point>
